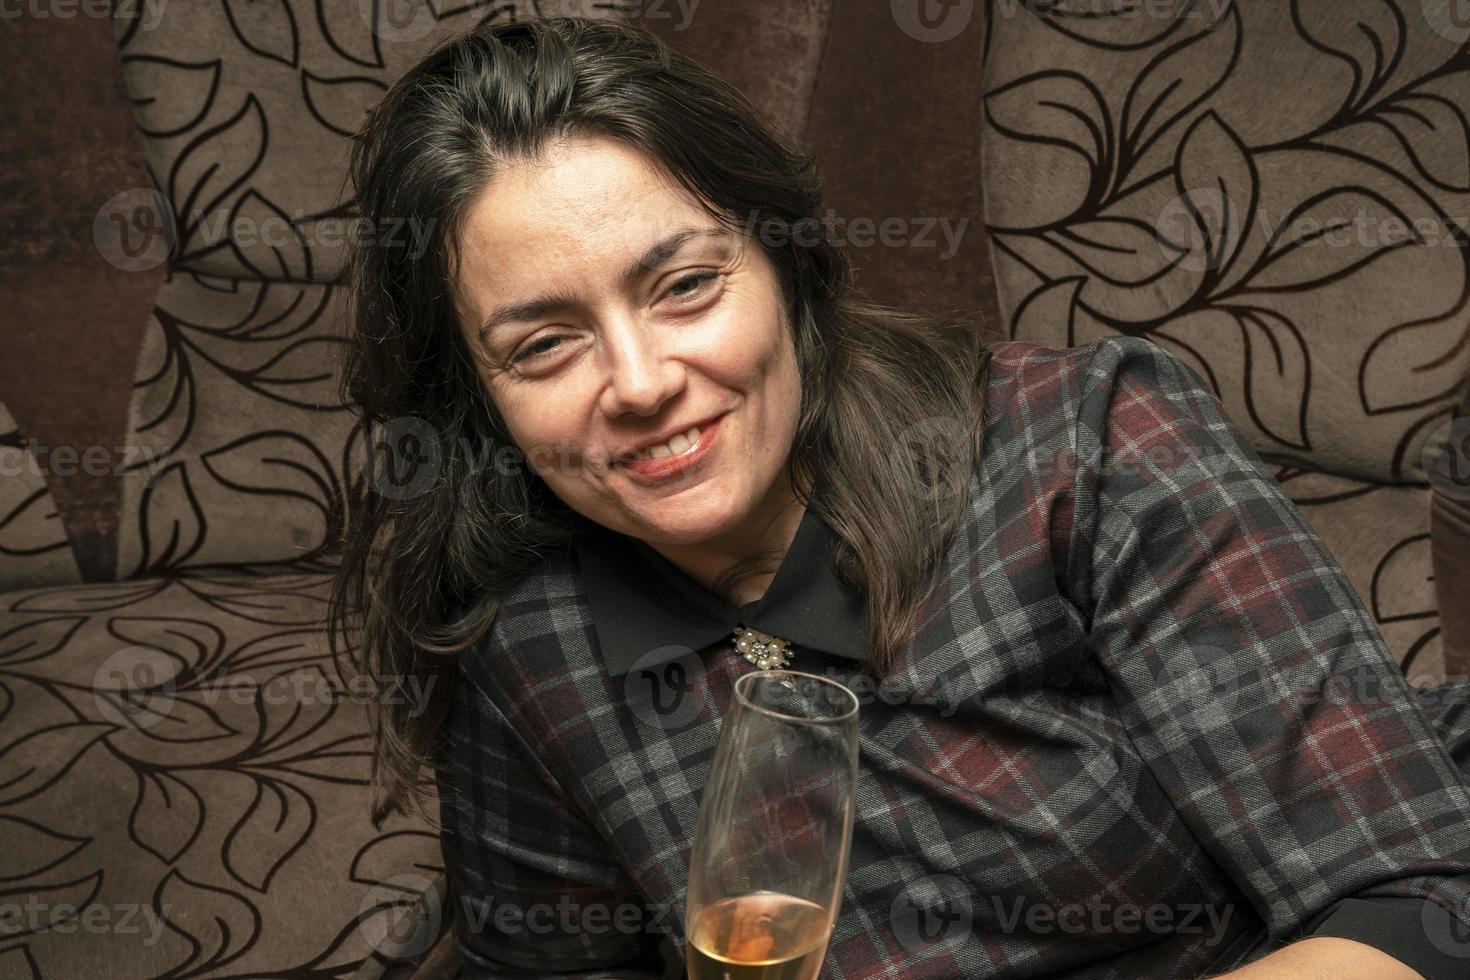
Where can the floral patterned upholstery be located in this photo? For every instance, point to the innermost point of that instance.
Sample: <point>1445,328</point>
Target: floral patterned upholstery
<point>182,774</point>
<point>182,787</point>
<point>1279,193</point>
<point>242,453</point>
<point>33,543</point>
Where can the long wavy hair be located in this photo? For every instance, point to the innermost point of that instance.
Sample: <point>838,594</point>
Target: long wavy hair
<point>891,401</point>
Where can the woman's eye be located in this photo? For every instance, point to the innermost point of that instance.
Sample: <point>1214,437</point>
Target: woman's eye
<point>536,349</point>
<point>685,288</point>
<point>696,281</point>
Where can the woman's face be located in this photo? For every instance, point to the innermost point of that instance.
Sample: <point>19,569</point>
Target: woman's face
<point>618,313</point>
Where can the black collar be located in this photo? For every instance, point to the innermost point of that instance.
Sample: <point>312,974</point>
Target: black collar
<point>646,610</point>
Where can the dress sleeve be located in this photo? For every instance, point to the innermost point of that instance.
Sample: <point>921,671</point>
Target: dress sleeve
<point>1249,675</point>
<point>534,888</point>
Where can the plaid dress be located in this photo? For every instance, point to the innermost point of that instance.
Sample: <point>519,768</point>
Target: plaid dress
<point>1144,727</point>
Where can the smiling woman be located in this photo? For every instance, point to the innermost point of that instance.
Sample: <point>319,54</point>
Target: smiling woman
<point>672,347</point>
<point>621,290</point>
<point>668,445</point>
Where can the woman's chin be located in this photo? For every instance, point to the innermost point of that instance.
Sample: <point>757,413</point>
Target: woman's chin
<point>692,531</point>
<point>690,521</point>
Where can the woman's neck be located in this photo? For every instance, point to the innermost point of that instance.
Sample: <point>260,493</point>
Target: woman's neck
<point>764,540</point>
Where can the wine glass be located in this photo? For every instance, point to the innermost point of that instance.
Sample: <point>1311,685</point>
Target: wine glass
<point>774,829</point>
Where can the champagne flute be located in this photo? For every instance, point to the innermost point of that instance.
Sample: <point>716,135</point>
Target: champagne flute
<point>774,829</point>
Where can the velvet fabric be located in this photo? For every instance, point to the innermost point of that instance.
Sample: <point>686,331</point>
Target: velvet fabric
<point>190,358</point>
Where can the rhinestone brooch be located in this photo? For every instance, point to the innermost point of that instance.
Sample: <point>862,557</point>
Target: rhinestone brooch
<point>762,649</point>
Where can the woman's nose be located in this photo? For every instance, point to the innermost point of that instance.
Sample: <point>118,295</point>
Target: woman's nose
<point>641,373</point>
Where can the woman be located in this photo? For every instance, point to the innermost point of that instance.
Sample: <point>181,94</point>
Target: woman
<point>1132,720</point>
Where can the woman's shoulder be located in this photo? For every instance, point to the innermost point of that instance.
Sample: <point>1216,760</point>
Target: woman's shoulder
<point>1035,382</point>
<point>535,620</point>
<point>1050,410</point>
<point>1032,361</point>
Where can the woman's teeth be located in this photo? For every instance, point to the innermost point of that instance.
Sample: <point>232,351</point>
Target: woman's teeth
<point>674,447</point>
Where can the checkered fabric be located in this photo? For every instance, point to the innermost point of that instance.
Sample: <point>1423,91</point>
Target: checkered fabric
<point>1145,728</point>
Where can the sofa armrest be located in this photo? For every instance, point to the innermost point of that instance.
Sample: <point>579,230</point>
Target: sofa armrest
<point>1449,534</point>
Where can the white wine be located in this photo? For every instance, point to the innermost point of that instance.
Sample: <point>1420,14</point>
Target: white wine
<point>760,936</point>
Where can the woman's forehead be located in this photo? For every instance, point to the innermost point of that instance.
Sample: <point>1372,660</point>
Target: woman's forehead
<point>578,224</point>
<point>577,191</point>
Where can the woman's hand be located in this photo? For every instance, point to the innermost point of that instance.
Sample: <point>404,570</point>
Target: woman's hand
<point>1324,958</point>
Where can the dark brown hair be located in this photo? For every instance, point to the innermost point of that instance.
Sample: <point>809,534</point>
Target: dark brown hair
<point>889,423</point>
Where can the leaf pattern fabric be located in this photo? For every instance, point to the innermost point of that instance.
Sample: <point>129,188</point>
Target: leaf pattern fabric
<point>1250,186</point>
<point>179,756</point>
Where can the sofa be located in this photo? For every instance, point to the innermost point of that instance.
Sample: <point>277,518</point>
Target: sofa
<point>1279,193</point>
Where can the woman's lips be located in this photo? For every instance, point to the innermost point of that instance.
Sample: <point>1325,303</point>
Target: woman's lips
<point>664,468</point>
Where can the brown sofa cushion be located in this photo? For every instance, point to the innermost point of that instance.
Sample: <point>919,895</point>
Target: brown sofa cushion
<point>1450,525</point>
<point>1379,534</point>
<point>33,546</point>
<point>1449,521</point>
<point>1275,192</point>
<point>247,110</point>
<point>241,445</point>
<point>180,752</point>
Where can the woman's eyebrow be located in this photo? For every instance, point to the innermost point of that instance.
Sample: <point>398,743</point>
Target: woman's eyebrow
<point>655,255</point>
<point>660,251</point>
